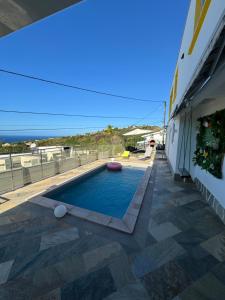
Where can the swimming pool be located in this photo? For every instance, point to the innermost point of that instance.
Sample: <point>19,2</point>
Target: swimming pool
<point>99,196</point>
<point>102,191</point>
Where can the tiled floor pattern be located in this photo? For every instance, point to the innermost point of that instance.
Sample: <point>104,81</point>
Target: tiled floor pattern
<point>176,252</point>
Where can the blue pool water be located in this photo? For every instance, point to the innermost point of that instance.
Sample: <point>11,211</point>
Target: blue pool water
<point>102,191</point>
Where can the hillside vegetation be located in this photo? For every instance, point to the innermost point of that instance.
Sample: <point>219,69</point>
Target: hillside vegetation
<point>110,135</point>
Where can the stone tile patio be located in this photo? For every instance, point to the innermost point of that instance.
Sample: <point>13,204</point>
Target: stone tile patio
<point>177,250</point>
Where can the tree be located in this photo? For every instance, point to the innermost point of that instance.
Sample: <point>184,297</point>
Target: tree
<point>109,129</point>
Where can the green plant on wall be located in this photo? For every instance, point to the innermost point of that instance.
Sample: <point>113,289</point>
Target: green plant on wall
<point>210,147</point>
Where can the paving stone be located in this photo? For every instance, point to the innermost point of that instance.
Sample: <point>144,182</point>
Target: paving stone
<point>95,286</point>
<point>219,272</point>
<point>28,227</point>
<point>58,237</point>
<point>162,202</point>
<point>150,240</point>
<point>107,264</point>
<point>164,231</point>
<point>192,206</point>
<point>152,223</point>
<point>196,268</point>
<point>18,248</point>
<point>166,282</point>
<point>189,239</point>
<point>181,220</point>
<point>206,222</point>
<point>197,252</point>
<point>46,279</point>
<point>53,295</point>
<point>155,256</point>
<point>121,271</point>
<point>208,287</point>
<point>17,290</point>
<point>185,199</point>
<point>5,268</point>
<point>162,191</point>
<point>25,253</point>
<point>4,220</point>
<point>98,256</point>
<point>174,189</point>
<point>134,291</point>
<point>29,262</point>
<point>216,246</point>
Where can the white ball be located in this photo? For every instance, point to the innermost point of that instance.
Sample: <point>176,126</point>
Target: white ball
<point>60,211</point>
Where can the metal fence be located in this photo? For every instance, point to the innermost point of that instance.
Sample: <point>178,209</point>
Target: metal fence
<point>18,170</point>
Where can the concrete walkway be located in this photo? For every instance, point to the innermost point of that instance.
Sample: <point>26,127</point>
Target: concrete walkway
<point>177,250</point>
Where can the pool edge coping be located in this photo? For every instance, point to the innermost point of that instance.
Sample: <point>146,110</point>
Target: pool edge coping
<point>126,224</point>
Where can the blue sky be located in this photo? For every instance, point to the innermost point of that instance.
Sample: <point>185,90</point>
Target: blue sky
<point>123,47</point>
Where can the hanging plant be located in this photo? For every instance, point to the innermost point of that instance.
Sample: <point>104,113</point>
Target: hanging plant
<point>210,149</point>
<point>206,124</point>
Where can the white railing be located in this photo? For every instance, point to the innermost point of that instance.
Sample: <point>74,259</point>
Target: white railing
<point>18,170</point>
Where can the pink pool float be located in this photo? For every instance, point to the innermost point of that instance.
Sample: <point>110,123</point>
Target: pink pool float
<point>114,166</point>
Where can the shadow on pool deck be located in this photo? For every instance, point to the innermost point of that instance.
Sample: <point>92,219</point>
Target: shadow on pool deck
<point>177,251</point>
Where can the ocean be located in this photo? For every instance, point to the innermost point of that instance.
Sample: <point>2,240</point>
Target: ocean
<point>22,138</point>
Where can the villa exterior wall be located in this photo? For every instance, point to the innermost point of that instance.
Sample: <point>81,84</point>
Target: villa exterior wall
<point>214,185</point>
<point>172,142</point>
<point>183,126</point>
<point>188,67</point>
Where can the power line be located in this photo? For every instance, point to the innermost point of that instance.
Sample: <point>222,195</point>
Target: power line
<point>63,128</point>
<point>76,87</point>
<point>68,115</point>
<point>40,129</point>
<point>49,129</point>
<point>54,124</point>
<point>143,118</point>
<point>147,116</point>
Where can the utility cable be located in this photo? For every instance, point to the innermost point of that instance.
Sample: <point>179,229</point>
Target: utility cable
<point>68,115</point>
<point>104,93</point>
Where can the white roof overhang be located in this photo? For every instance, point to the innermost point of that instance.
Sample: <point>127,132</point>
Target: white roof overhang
<point>16,14</point>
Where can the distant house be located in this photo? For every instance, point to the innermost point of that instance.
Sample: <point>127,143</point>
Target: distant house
<point>158,136</point>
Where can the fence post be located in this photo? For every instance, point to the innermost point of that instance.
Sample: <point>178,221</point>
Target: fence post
<point>11,167</point>
<point>61,171</point>
<point>42,174</point>
<point>97,151</point>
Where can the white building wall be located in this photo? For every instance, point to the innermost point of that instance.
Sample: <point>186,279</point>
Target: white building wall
<point>214,185</point>
<point>188,69</point>
<point>172,139</point>
<point>189,66</point>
